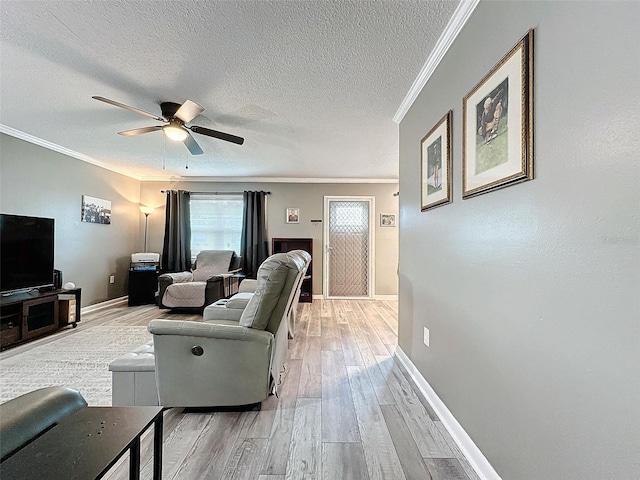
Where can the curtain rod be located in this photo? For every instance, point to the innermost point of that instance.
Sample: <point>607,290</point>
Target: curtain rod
<point>216,193</point>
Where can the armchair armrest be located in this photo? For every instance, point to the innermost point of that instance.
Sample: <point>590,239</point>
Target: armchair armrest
<point>210,330</point>
<point>248,285</point>
<point>167,279</point>
<point>179,277</point>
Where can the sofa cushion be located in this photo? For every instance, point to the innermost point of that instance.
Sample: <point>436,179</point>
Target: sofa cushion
<point>189,294</point>
<point>239,300</point>
<point>272,276</point>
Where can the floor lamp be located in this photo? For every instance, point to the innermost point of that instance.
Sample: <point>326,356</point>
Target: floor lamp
<point>147,211</point>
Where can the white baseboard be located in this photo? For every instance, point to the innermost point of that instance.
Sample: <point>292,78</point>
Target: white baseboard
<point>375,297</point>
<point>472,453</point>
<point>386,297</point>
<point>105,304</point>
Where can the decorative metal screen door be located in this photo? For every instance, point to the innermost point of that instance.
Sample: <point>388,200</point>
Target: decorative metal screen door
<point>348,247</point>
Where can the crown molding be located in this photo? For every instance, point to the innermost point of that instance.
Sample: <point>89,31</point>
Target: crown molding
<point>63,150</point>
<point>269,179</point>
<point>174,178</point>
<point>458,20</point>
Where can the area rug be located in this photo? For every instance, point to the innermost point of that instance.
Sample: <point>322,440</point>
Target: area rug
<point>78,359</point>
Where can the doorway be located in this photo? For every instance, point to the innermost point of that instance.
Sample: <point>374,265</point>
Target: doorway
<point>348,247</point>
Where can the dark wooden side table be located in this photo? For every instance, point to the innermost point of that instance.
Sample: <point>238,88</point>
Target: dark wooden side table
<point>87,444</point>
<point>232,283</point>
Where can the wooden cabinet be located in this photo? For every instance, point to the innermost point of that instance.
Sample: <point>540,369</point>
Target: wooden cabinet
<point>25,316</point>
<point>283,245</point>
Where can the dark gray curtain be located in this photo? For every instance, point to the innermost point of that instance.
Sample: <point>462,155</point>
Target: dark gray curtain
<point>254,248</point>
<point>176,250</point>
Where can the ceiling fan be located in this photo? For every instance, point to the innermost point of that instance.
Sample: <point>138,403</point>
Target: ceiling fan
<point>175,117</point>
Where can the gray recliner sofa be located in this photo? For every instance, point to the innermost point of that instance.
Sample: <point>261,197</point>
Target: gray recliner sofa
<point>232,308</point>
<point>226,362</point>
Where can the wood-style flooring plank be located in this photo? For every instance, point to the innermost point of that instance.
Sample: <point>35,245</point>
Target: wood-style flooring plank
<point>378,380</point>
<point>425,434</point>
<point>258,423</point>
<point>306,447</point>
<point>466,466</point>
<point>326,308</point>
<point>425,403</point>
<point>246,460</point>
<point>213,447</point>
<point>271,477</point>
<point>376,345</point>
<point>356,320</point>
<point>445,469</point>
<point>380,454</point>
<point>339,422</point>
<point>340,311</point>
<point>311,373</point>
<point>343,461</point>
<point>315,323</point>
<point>389,315</point>
<point>350,348</point>
<point>330,334</point>
<point>410,458</point>
<point>277,453</point>
<point>376,321</point>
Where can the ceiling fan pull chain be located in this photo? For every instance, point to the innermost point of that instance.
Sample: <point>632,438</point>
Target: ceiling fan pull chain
<point>164,153</point>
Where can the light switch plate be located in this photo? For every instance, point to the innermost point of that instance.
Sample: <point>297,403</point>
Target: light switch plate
<point>426,336</point>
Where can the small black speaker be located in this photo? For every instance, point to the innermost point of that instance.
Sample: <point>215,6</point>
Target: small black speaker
<point>57,279</point>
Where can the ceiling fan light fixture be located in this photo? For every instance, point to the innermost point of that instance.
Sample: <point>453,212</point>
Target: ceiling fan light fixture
<point>175,132</point>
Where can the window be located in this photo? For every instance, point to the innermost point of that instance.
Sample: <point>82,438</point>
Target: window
<point>216,222</point>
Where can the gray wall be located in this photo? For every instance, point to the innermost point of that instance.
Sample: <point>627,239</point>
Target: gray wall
<point>36,181</point>
<point>531,293</point>
<point>309,198</point>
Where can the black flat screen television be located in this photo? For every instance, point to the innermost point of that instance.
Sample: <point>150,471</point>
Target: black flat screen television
<point>26,252</point>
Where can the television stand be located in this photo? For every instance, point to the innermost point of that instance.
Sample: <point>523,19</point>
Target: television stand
<point>30,315</point>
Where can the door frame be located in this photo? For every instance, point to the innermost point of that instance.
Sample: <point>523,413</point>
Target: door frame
<point>325,244</point>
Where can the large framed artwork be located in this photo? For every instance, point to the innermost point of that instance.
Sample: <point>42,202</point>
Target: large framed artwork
<point>497,146</point>
<point>435,165</point>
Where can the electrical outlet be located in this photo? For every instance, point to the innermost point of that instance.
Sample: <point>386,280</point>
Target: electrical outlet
<point>112,279</point>
<point>426,336</point>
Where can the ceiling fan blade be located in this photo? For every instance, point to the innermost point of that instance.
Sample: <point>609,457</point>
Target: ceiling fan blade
<point>188,111</point>
<point>127,107</point>
<point>215,134</point>
<point>192,145</point>
<point>140,131</point>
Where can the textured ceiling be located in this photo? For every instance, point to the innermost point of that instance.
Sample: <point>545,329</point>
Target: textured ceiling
<point>312,86</point>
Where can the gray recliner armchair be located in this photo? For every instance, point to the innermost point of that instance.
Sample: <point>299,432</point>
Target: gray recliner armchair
<point>226,363</point>
<point>201,286</point>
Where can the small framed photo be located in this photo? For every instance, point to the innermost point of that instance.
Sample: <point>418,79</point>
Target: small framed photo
<point>436,165</point>
<point>387,219</point>
<point>498,124</point>
<point>95,210</point>
<point>293,215</point>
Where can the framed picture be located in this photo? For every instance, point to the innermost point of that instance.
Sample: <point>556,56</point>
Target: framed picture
<point>435,165</point>
<point>387,219</point>
<point>95,210</point>
<point>293,215</point>
<point>497,148</point>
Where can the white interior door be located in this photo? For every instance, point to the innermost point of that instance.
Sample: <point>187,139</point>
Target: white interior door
<point>348,247</point>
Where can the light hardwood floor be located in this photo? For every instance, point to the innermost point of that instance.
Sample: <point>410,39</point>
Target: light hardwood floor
<point>345,410</point>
